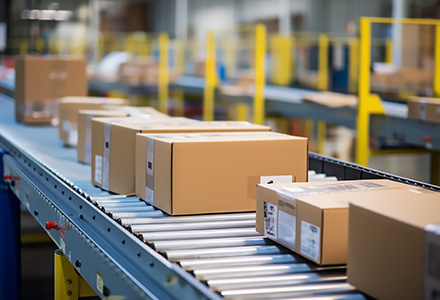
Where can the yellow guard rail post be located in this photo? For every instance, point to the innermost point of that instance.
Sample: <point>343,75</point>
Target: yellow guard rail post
<point>389,51</point>
<point>163,72</point>
<point>323,63</point>
<point>69,285</point>
<point>353,66</point>
<point>260,57</point>
<point>210,78</point>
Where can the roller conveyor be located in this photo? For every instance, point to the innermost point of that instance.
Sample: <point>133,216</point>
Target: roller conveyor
<point>142,252</point>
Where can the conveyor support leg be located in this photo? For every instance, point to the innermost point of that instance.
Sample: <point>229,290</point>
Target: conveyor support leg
<point>69,285</point>
<point>10,265</point>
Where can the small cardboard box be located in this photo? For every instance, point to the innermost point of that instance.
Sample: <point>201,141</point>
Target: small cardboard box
<point>215,126</point>
<point>218,172</point>
<point>311,218</point>
<point>84,148</point>
<point>113,149</point>
<point>422,108</point>
<point>68,108</point>
<point>394,244</point>
<point>41,80</point>
<point>139,111</point>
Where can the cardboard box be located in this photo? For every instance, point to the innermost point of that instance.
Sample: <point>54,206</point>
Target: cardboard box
<point>68,108</point>
<point>215,126</point>
<point>113,149</point>
<point>423,108</point>
<point>311,218</point>
<point>218,172</point>
<point>40,80</point>
<point>394,244</point>
<point>84,148</point>
<point>145,71</point>
<point>139,111</point>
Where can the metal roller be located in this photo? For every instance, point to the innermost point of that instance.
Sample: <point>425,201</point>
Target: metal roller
<point>275,280</point>
<point>129,209</point>
<point>182,219</point>
<point>190,264</point>
<point>144,214</point>
<point>133,205</point>
<point>193,226</point>
<point>211,243</point>
<point>244,271</point>
<point>114,202</point>
<point>335,296</point>
<point>176,255</point>
<point>288,291</point>
<point>199,234</point>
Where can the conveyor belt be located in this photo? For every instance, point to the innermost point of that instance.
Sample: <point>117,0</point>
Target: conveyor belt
<point>142,252</point>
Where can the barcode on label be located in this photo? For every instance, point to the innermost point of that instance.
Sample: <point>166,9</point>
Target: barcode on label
<point>270,220</point>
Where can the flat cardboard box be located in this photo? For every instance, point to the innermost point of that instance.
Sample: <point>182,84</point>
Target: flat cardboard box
<point>311,218</point>
<point>113,149</point>
<point>391,253</point>
<point>218,172</point>
<point>41,80</point>
<point>215,126</point>
<point>84,147</point>
<point>139,111</point>
<point>68,108</point>
<point>424,108</point>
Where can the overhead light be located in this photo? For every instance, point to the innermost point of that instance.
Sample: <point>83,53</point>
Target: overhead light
<point>46,15</point>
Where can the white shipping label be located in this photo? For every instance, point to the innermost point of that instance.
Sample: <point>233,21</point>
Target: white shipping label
<point>287,229</point>
<point>270,220</point>
<point>106,152</point>
<point>98,168</point>
<point>149,195</point>
<point>72,139</point>
<point>310,240</point>
<point>276,179</point>
<point>88,141</point>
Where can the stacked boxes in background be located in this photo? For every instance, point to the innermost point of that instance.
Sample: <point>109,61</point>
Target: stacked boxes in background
<point>423,108</point>
<point>68,108</point>
<point>113,149</point>
<point>41,80</point>
<point>394,244</point>
<point>312,218</point>
<point>215,172</point>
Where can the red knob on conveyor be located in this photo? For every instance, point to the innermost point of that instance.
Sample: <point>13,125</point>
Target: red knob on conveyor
<point>7,177</point>
<point>52,225</point>
<point>427,139</point>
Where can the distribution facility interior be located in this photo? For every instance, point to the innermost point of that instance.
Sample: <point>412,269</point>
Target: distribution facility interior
<point>220,149</point>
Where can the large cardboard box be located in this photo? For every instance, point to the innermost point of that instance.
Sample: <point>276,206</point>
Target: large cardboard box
<point>68,108</point>
<point>139,111</point>
<point>394,244</point>
<point>40,80</point>
<point>113,149</point>
<point>215,126</point>
<point>312,218</point>
<point>218,172</point>
<point>84,147</point>
<point>423,108</point>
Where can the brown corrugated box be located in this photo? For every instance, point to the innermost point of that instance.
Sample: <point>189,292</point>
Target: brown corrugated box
<point>84,147</point>
<point>391,253</point>
<point>215,126</point>
<point>424,108</point>
<point>68,108</point>
<point>139,111</point>
<point>41,80</point>
<point>212,173</point>
<point>144,71</point>
<point>113,149</point>
<point>311,218</point>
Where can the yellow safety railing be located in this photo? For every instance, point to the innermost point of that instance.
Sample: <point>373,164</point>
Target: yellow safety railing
<point>371,103</point>
<point>282,59</point>
<point>323,62</point>
<point>260,70</point>
<point>163,72</point>
<point>210,78</point>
